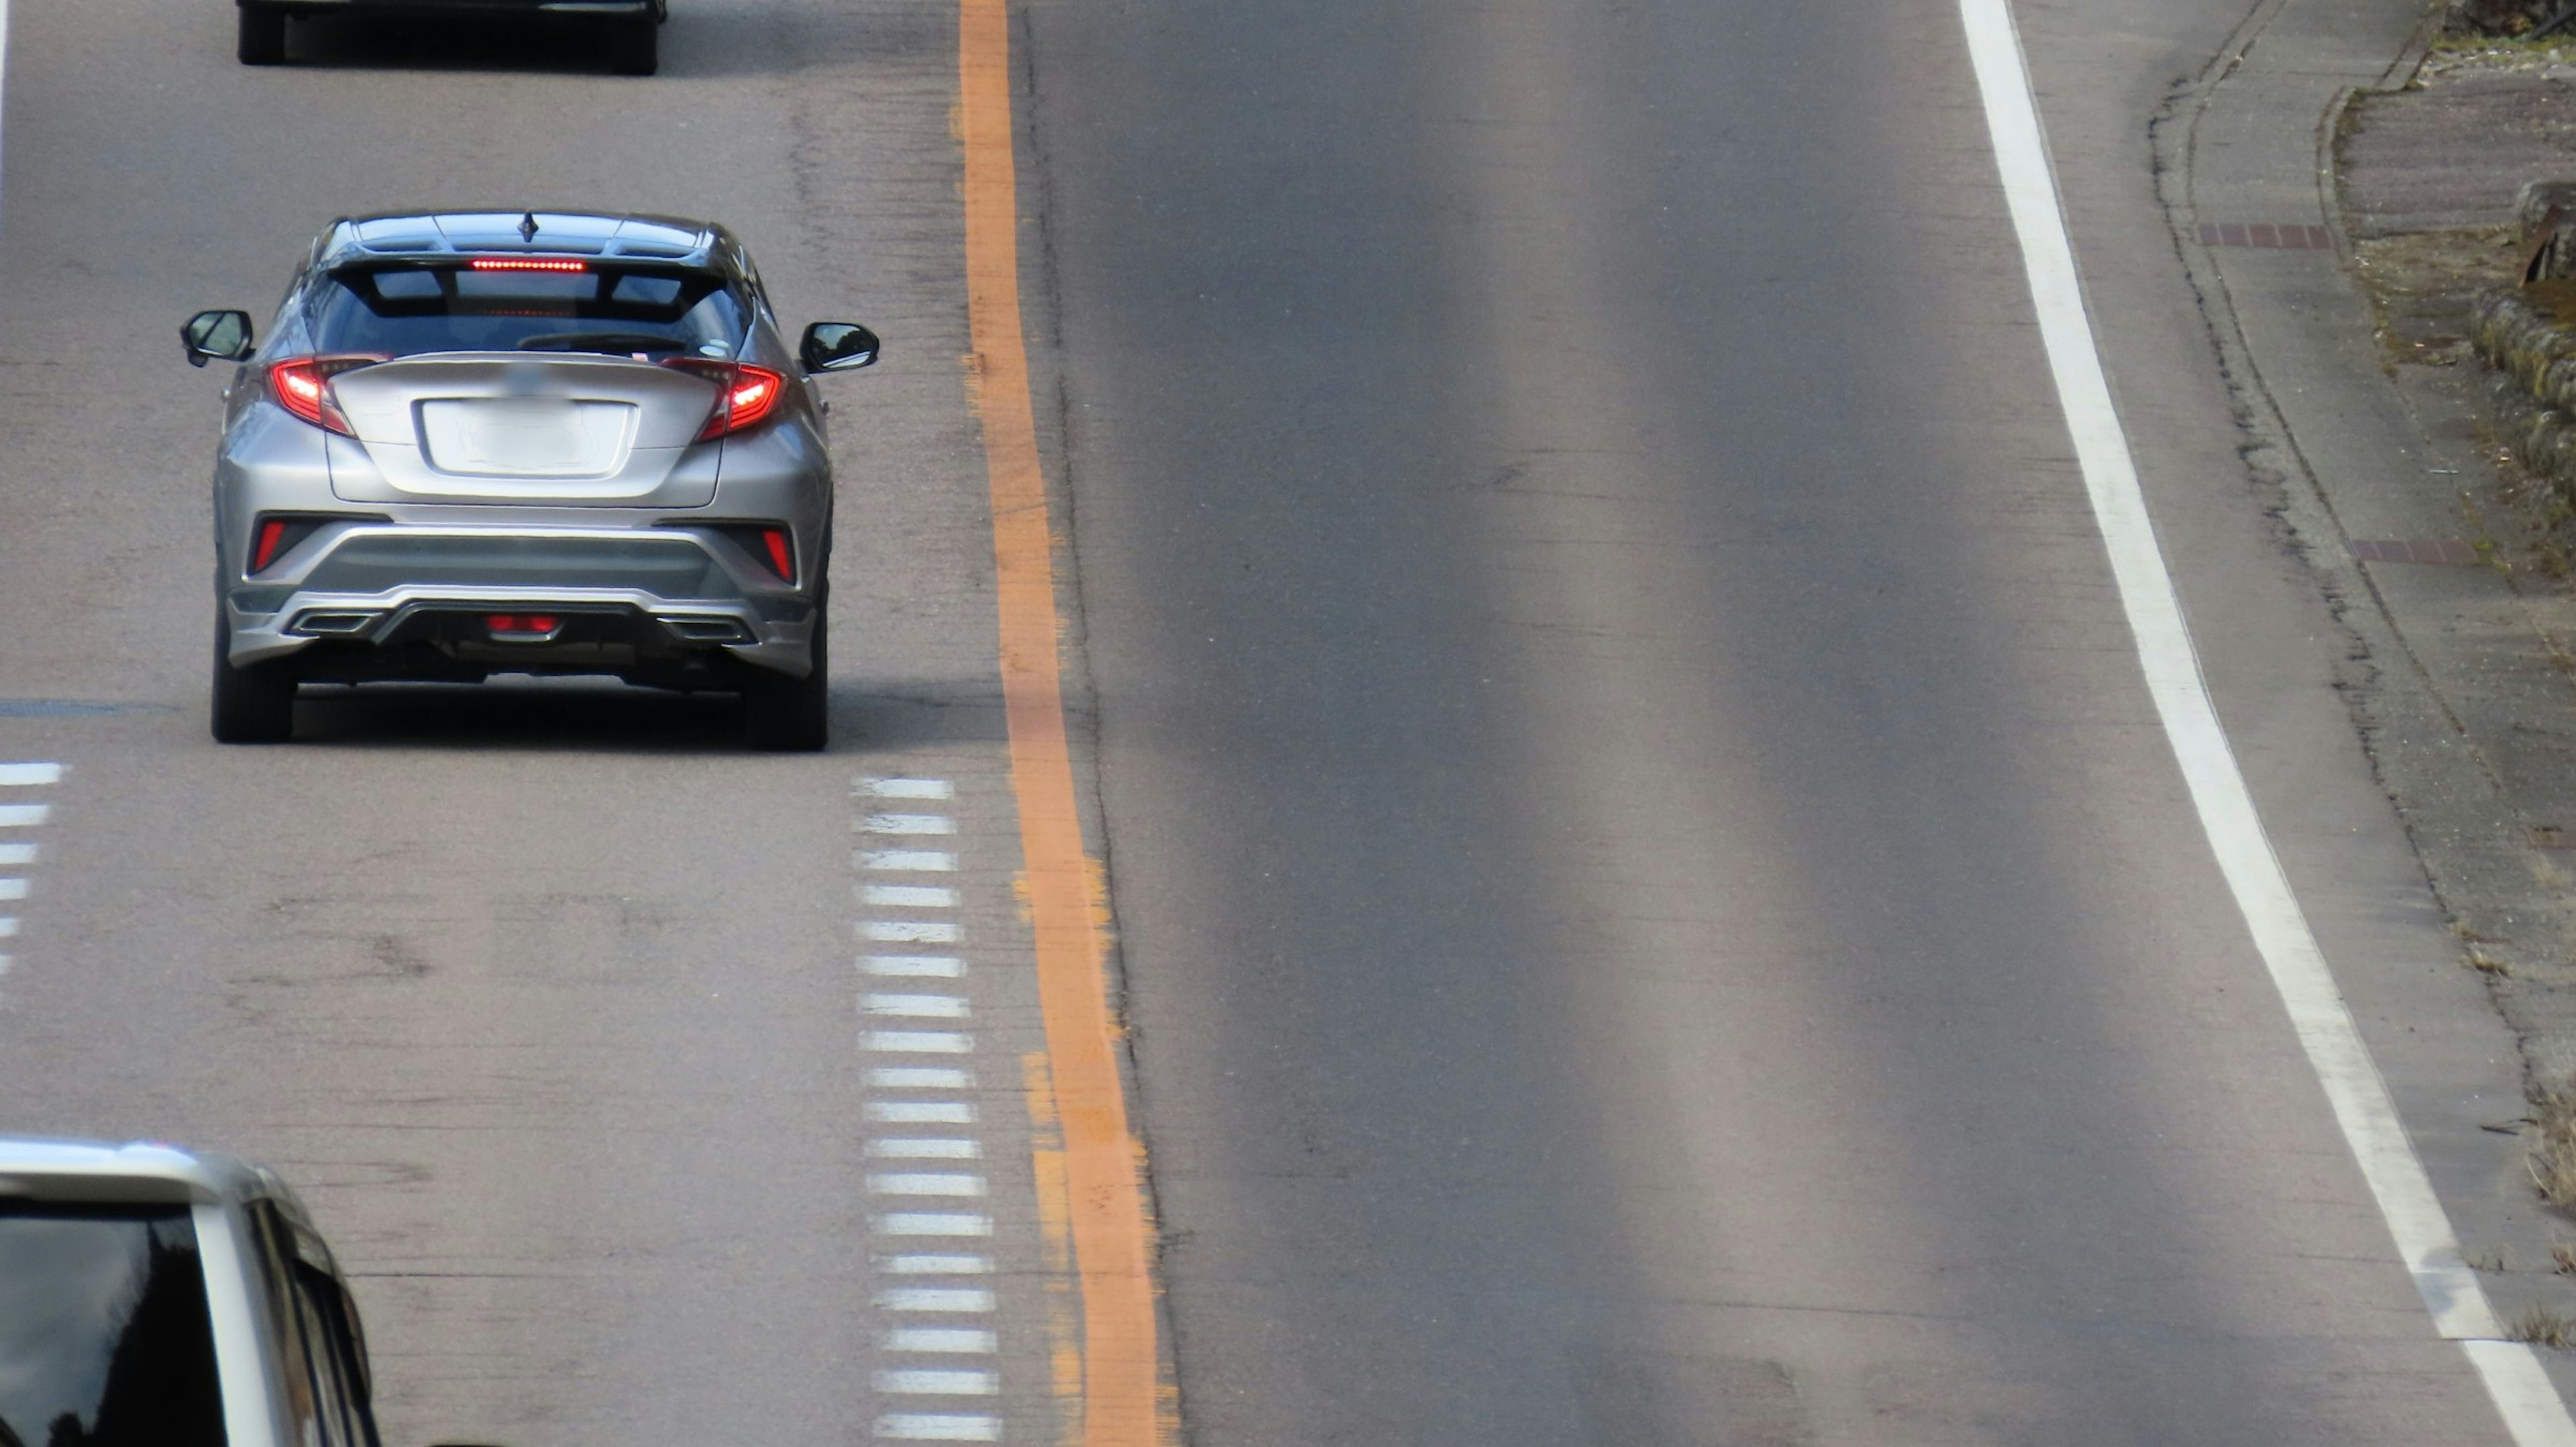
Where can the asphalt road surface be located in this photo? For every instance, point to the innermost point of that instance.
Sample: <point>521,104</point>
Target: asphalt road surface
<point>1653,904</point>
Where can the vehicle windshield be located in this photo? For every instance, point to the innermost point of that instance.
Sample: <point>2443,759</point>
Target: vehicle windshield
<point>501,306</point>
<point>105,1339</point>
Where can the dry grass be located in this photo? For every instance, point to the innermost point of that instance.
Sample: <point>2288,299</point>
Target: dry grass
<point>2539,1326</point>
<point>2563,1254</point>
<point>2553,1155</point>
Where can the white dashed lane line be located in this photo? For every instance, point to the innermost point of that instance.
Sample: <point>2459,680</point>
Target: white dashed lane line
<point>915,1113</point>
<point>17,853</point>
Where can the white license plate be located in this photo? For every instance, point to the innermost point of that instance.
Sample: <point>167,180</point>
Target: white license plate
<point>526,436</point>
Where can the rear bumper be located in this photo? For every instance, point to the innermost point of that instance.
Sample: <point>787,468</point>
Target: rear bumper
<point>657,606</point>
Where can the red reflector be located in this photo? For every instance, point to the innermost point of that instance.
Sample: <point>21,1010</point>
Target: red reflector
<point>782,560</point>
<point>527,263</point>
<point>521,625</point>
<point>542,623</point>
<point>264,551</point>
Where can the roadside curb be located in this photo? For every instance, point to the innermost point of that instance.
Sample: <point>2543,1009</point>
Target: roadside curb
<point>2438,656</point>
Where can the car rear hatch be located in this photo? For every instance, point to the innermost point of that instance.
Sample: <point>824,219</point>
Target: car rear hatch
<point>510,428</point>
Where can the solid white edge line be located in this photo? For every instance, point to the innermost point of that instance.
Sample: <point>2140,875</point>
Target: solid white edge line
<point>2532,1410</point>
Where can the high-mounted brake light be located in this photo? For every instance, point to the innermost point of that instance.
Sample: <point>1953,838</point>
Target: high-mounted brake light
<point>527,263</point>
<point>746,395</point>
<point>302,385</point>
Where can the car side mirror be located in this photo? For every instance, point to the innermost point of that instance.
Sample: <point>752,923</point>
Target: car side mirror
<point>837,347</point>
<point>218,336</point>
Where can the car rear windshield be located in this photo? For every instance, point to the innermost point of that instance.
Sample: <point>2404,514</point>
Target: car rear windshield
<point>104,1333</point>
<point>504,305</point>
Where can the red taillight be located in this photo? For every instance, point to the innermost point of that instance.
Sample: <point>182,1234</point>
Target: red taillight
<point>782,559</point>
<point>302,385</point>
<point>264,550</point>
<point>522,625</point>
<point>527,263</point>
<point>745,398</point>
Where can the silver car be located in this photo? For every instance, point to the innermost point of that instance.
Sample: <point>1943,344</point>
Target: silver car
<point>519,442</point>
<point>154,1295</point>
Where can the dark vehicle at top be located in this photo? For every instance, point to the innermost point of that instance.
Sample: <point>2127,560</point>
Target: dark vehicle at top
<point>633,27</point>
<point>480,443</point>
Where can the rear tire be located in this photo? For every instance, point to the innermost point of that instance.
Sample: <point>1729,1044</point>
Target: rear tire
<point>636,47</point>
<point>253,705</point>
<point>785,715</point>
<point>262,36</point>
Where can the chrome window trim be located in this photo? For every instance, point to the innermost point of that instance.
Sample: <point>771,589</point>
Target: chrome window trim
<point>242,1369</point>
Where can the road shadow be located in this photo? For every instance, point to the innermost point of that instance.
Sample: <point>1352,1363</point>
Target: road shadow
<point>590,715</point>
<point>585,715</point>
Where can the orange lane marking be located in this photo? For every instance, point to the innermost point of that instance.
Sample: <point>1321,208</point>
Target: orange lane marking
<point>1112,1235</point>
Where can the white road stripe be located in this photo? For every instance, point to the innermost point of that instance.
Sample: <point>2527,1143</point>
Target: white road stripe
<point>907,896</point>
<point>907,861</point>
<point>917,1007</point>
<point>934,1223</point>
<point>949,1340</point>
<point>21,776</point>
<point>926,967</point>
<point>926,1148</point>
<point>13,889</point>
<point>923,1225</point>
<point>907,1077</point>
<point>908,824</point>
<point>915,1382</point>
<point>908,788</point>
<point>2531,1410</point>
<point>908,932</point>
<point>8,926</point>
<point>917,1042</point>
<point>927,1183</point>
<point>921,1112</point>
<point>24,816</point>
<point>938,1265</point>
<point>962,1300</point>
<point>17,853</point>
<point>938,1427</point>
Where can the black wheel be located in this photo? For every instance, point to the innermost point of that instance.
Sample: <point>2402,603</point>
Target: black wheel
<point>635,48</point>
<point>254,705</point>
<point>263,36</point>
<point>792,715</point>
